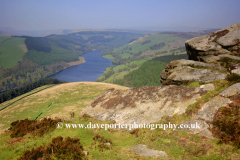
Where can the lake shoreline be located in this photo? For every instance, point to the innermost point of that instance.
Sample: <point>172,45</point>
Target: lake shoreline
<point>74,63</point>
<point>92,66</point>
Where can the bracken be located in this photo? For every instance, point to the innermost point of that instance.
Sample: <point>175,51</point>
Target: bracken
<point>70,148</point>
<point>20,128</point>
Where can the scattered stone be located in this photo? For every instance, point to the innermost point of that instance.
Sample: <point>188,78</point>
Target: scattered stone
<point>143,151</point>
<point>225,41</point>
<point>208,87</point>
<point>85,152</point>
<point>107,144</point>
<point>144,105</point>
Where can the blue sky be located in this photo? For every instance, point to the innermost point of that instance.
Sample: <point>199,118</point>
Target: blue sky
<point>117,14</point>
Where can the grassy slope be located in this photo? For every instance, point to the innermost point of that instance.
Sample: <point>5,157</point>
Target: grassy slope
<point>109,56</point>
<point>68,94</point>
<point>119,75</point>
<point>171,42</point>
<point>12,50</point>
<point>14,100</point>
<point>177,144</point>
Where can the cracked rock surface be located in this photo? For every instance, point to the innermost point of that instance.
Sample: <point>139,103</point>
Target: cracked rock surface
<point>225,41</point>
<point>180,71</point>
<point>145,104</point>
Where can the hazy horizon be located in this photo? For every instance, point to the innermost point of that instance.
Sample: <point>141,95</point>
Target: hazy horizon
<point>106,14</point>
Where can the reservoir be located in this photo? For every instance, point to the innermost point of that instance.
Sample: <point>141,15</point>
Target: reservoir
<point>89,71</point>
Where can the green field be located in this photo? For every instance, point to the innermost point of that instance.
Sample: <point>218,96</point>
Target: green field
<point>3,39</point>
<point>126,68</point>
<point>12,50</point>
<point>109,57</point>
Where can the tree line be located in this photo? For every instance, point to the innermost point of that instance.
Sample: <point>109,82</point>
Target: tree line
<point>24,89</point>
<point>37,43</point>
<point>148,74</point>
<point>44,58</point>
<point>26,71</point>
<point>157,46</point>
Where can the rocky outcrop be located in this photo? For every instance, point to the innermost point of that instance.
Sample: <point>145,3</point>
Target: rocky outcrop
<point>221,58</point>
<point>182,71</point>
<point>230,95</point>
<point>225,41</point>
<point>145,104</point>
<point>143,151</point>
<point>224,98</point>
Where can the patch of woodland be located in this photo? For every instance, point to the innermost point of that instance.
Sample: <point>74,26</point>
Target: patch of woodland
<point>27,88</point>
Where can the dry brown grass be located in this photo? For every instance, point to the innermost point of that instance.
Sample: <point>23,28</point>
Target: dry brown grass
<point>139,39</point>
<point>23,47</point>
<point>76,85</point>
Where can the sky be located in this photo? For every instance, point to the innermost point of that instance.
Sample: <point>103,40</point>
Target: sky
<point>117,14</point>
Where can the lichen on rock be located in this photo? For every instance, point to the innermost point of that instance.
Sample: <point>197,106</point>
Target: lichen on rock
<point>145,104</point>
<point>225,41</point>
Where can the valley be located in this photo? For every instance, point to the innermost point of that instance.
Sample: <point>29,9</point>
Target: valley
<point>26,59</point>
<point>140,88</point>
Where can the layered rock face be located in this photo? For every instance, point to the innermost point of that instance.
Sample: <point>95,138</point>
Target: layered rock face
<point>145,104</point>
<point>205,48</point>
<point>221,48</point>
<point>224,98</point>
<point>182,71</point>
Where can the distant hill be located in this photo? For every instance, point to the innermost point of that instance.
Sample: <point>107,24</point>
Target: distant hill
<point>162,47</point>
<point>33,33</point>
<point>101,39</point>
<point>155,44</point>
<point>25,59</point>
<point>4,33</point>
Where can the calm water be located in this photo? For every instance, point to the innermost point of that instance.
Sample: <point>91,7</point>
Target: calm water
<point>89,71</point>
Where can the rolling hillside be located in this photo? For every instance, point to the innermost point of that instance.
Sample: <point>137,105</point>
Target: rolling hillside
<point>162,47</point>
<point>72,97</point>
<point>25,59</point>
<point>138,52</point>
<point>156,44</point>
<point>12,50</point>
